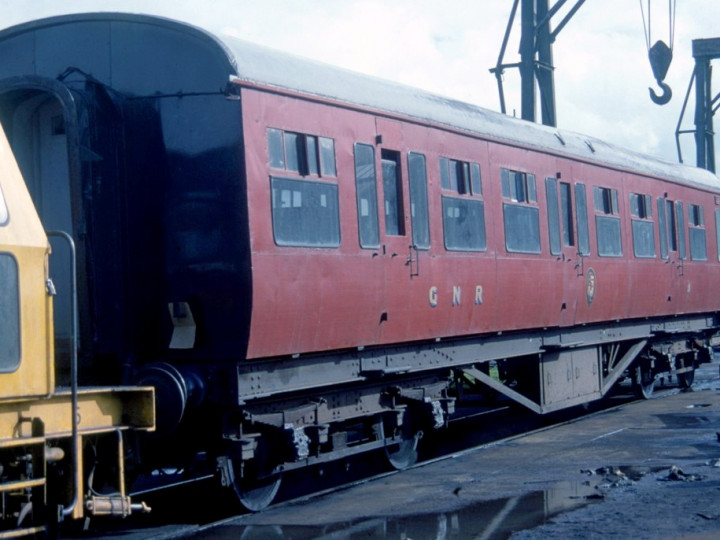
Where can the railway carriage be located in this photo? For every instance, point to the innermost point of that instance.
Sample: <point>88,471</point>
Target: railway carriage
<point>307,263</point>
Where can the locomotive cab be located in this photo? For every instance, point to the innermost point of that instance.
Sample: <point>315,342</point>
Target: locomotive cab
<point>43,120</point>
<point>26,362</point>
<point>46,428</point>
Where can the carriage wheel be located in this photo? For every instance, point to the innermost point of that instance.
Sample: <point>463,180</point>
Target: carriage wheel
<point>404,454</point>
<point>256,481</point>
<point>687,378</point>
<point>643,381</point>
<point>257,494</point>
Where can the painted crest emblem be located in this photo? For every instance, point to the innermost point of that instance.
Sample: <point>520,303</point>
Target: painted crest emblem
<point>590,285</point>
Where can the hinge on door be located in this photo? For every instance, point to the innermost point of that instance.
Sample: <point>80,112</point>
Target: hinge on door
<point>580,265</point>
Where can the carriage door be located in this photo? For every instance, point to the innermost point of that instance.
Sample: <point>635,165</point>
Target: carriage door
<point>673,248</point>
<point>567,225</point>
<point>396,236</point>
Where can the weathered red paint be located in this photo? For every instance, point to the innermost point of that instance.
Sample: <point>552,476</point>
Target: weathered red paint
<point>310,300</point>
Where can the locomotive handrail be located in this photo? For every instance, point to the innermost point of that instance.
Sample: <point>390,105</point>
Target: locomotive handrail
<point>66,511</point>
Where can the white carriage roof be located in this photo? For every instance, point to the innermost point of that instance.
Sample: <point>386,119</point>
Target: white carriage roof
<point>257,64</point>
<point>260,65</point>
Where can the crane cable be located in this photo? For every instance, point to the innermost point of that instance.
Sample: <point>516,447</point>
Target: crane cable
<point>660,54</point>
<point>672,10</point>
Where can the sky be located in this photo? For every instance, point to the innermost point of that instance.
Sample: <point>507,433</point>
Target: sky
<point>602,71</point>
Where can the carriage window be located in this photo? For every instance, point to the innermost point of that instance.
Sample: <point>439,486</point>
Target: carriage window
<point>606,201</point>
<point>582,220</point>
<point>301,153</point>
<point>671,226</point>
<point>567,214</point>
<point>419,218</point>
<point>696,230</point>
<point>3,210</point>
<point>521,215</point>
<point>675,227</point>
<point>463,213</point>
<point>305,213</point>
<point>464,224</point>
<point>518,186</point>
<point>717,231</point>
<point>679,229</point>
<point>643,228</point>
<point>9,314</point>
<point>327,157</point>
<point>553,213</point>
<point>392,189</point>
<point>640,206</point>
<point>607,222</point>
<point>460,176</point>
<point>366,191</point>
<point>662,227</point>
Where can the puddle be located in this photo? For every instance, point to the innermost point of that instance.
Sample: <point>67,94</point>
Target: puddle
<point>496,519</point>
<point>699,406</point>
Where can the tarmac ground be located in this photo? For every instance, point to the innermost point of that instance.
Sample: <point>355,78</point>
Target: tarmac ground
<point>644,470</point>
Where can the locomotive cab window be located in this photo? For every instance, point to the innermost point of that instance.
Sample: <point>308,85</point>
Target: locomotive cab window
<point>462,206</point>
<point>9,314</point>
<point>305,213</point>
<point>696,230</point>
<point>607,222</point>
<point>643,227</point>
<point>520,212</point>
<point>301,153</point>
<point>3,210</point>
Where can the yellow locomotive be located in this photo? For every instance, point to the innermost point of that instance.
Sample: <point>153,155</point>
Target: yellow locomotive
<point>53,438</point>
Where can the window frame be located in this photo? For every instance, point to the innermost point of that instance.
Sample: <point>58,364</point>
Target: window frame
<point>419,202</point>
<point>514,182</point>
<point>369,229</point>
<point>4,212</point>
<point>717,231</point>
<point>393,197</point>
<point>583,225</point>
<point>312,155</point>
<point>460,177</point>
<point>10,330</point>
<point>521,212</point>
<point>474,243</point>
<point>642,226</point>
<point>462,195</point>
<point>279,228</point>
<point>555,233</point>
<point>697,236</point>
<point>608,226</point>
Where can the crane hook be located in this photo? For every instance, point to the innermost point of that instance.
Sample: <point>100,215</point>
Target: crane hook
<point>663,98</point>
<point>660,57</point>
